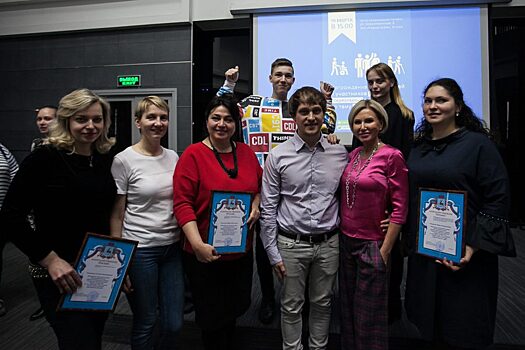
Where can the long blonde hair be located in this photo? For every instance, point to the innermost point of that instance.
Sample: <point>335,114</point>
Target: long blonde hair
<point>385,72</point>
<point>70,105</point>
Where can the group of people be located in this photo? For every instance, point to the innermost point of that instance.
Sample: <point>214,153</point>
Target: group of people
<point>317,212</point>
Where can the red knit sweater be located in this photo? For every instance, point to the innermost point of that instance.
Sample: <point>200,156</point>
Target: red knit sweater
<point>198,173</point>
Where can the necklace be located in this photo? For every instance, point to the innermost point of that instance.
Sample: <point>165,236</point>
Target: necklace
<point>356,178</point>
<point>232,173</point>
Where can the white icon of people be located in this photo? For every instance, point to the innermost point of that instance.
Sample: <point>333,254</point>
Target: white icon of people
<point>361,64</point>
<point>358,65</point>
<point>396,65</point>
<point>338,69</point>
<point>335,67</point>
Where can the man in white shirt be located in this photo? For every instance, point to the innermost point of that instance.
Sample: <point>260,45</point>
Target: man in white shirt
<point>300,218</point>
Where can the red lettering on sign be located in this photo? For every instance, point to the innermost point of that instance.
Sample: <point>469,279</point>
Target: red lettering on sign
<point>288,126</point>
<point>259,142</point>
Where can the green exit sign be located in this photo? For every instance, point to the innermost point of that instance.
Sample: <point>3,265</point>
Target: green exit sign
<point>128,80</point>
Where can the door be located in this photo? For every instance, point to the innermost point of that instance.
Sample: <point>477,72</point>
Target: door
<point>123,104</point>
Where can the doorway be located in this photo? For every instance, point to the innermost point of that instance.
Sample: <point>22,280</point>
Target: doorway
<point>217,46</point>
<point>123,104</point>
<point>508,74</point>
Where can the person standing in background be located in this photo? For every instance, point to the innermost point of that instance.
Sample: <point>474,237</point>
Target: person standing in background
<point>8,169</point>
<point>45,116</point>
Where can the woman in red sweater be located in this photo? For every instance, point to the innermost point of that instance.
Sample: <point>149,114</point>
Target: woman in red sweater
<point>220,284</point>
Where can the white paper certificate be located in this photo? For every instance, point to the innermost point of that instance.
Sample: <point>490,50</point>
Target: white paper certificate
<point>228,229</point>
<point>101,270</point>
<point>441,223</point>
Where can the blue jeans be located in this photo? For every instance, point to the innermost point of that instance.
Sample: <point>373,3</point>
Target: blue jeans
<point>158,284</point>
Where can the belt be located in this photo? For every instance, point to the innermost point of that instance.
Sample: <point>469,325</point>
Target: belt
<point>315,238</point>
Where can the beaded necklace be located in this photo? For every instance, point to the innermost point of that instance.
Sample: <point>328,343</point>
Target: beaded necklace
<point>232,173</point>
<point>356,178</point>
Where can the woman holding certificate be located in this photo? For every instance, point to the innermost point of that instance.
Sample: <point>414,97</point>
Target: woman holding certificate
<point>143,212</point>
<point>454,304</point>
<point>220,283</point>
<point>374,180</point>
<point>68,186</point>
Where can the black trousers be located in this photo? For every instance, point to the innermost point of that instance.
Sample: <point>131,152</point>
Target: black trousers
<point>220,339</point>
<point>396,278</point>
<point>2,245</point>
<point>74,329</point>
<point>264,268</point>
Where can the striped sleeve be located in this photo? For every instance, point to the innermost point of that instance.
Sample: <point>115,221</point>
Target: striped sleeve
<point>8,169</point>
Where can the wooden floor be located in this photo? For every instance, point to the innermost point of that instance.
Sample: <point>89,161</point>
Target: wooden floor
<point>17,332</point>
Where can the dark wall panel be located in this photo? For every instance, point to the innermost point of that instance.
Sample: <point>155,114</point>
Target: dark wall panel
<point>38,70</point>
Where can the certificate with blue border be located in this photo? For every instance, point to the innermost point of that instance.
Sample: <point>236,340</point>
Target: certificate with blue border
<point>102,265</point>
<point>442,222</point>
<point>228,231</point>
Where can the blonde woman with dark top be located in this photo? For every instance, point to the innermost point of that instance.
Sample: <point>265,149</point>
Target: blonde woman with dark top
<point>68,186</point>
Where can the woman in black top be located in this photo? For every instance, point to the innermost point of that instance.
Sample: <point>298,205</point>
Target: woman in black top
<point>68,186</point>
<point>454,306</point>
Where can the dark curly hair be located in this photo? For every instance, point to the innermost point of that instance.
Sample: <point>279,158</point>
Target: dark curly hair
<point>466,117</point>
<point>231,104</point>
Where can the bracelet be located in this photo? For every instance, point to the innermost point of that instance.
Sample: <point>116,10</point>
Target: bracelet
<point>37,271</point>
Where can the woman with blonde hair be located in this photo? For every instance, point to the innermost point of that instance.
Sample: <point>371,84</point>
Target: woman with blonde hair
<point>143,212</point>
<point>68,186</point>
<point>384,89</point>
<point>375,179</point>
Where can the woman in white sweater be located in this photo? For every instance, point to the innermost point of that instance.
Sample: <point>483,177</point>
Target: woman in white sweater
<point>143,212</point>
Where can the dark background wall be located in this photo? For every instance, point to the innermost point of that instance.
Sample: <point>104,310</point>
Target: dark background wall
<point>39,70</point>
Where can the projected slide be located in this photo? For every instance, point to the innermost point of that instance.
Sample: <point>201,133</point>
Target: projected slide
<point>420,45</point>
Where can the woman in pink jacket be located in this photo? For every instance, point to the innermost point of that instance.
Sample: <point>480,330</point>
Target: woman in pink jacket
<point>375,180</point>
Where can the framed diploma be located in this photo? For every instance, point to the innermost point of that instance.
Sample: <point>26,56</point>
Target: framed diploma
<point>442,222</point>
<point>228,231</point>
<point>102,264</point>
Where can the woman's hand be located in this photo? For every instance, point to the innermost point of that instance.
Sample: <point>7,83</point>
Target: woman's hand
<point>254,216</point>
<point>469,251</point>
<point>332,139</point>
<point>203,252</point>
<point>206,253</point>
<point>62,273</point>
<point>385,254</point>
<point>255,212</point>
<point>127,287</point>
<point>385,222</point>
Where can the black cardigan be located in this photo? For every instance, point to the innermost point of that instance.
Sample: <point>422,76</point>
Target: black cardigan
<point>69,195</point>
